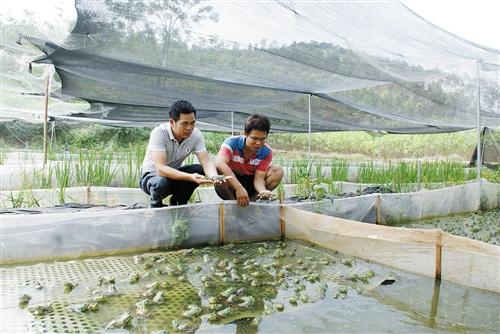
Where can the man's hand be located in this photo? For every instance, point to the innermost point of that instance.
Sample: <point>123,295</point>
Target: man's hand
<point>265,195</point>
<point>218,179</point>
<point>242,196</point>
<point>195,177</point>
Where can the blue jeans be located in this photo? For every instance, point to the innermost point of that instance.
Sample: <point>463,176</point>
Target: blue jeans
<point>159,187</point>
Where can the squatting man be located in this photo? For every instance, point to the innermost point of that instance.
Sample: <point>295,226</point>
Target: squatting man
<point>247,159</point>
<point>162,173</point>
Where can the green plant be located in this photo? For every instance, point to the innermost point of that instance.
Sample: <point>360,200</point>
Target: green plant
<point>63,177</point>
<point>300,169</point>
<point>339,170</point>
<point>280,190</point>
<point>319,173</point>
<point>334,189</point>
<point>305,187</point>
<point>320,190</point>
<point>179,231</point>
<point>23,198</point>
<point>195,198</point>
<point>4,150</point>
<point>131,171</point>
<point>95,168</point>
<point>41,179</point>
<point>492,175</point>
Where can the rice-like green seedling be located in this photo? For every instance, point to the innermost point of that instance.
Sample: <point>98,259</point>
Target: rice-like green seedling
<point>339,170</point>
<point>4,150</point>
<point>95,168</point>
<point>319,173</point>
<point>131,171</point>
<point>63,178</point>
<point>23,199</point>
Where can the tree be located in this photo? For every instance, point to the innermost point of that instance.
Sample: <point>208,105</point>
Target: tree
<point>168,20</point>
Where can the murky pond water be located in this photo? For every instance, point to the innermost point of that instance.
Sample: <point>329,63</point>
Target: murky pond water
<point>480,225</point>
<point>265,287</point>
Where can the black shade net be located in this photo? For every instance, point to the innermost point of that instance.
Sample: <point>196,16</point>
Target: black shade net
<point>361,65</point>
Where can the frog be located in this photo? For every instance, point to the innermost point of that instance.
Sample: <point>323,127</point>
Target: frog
<point>134,277</point>
<point>41,310</point>
<point>225,312</point>
<point>159,298</point>
<point>248,302</point>
<point>68,287</point>
<point>141,306</point>
<point>123,321</point>
<point>192,311</point>
<point>78,308</point>
<point>181,326</point>
<point>24,300</point>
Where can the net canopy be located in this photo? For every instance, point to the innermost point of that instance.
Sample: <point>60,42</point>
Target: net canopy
<point>358,65</point>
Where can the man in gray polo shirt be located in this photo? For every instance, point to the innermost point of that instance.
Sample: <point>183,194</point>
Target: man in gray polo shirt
<point>162,173</point>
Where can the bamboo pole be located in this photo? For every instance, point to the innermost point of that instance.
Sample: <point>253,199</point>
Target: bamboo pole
<point>435,301</point>
<point>282,220</point>
<point>478,110</point>
<point>52,134</point>
<point>222,228</point>
<point>232,123</point>
<point>377,209</point>
<point>88,195</point>
<point>309,139</point>
<point>439,245</point>
<point>46,116</point>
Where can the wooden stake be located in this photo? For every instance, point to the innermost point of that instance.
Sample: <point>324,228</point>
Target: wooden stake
<point>438,254</point>
<point>46,117</point>
<point>377,208</point>
<point>435,301</point>
<point>88,195</point>
<point>222,228</point>
<point>282,221</point>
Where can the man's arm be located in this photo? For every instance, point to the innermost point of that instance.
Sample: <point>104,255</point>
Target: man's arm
<point>207,164</point>
<point>221,163</point>
<point>259,182</point>
<point>241,193</point>
<point>160,160</point>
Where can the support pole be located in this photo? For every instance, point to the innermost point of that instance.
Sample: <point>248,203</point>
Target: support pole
<point>439,246</point>
<point>222,228</point>
<point>46,115</point>
<point>232,123</point>
<point>52,134</point>
<point>377,209</point>
<point>478,110</point>
<point>435,302</point>
<point>309,129</point>
<point>88,198</point>
<point>282,220</point>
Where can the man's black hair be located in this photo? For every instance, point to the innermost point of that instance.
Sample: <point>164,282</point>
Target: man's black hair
<point>257,122</point>
<point>180,107</point>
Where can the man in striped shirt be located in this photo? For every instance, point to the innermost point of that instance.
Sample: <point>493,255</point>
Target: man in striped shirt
<point>162,173</point>
<point>247,159</point>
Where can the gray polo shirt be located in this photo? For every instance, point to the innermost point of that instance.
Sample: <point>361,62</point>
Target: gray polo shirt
<point>162,139</point>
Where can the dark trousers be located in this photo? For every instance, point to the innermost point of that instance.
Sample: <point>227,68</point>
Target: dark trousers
<point>159,187</point>
<point>247,183</point>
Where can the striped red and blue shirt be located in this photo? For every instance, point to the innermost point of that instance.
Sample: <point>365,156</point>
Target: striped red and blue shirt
<point>232,149</point>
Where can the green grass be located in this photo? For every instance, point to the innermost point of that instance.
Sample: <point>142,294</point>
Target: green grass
<point>95,168</point>
<point>457,145</point>
<point>91,154</point>
<point>4,150</point>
